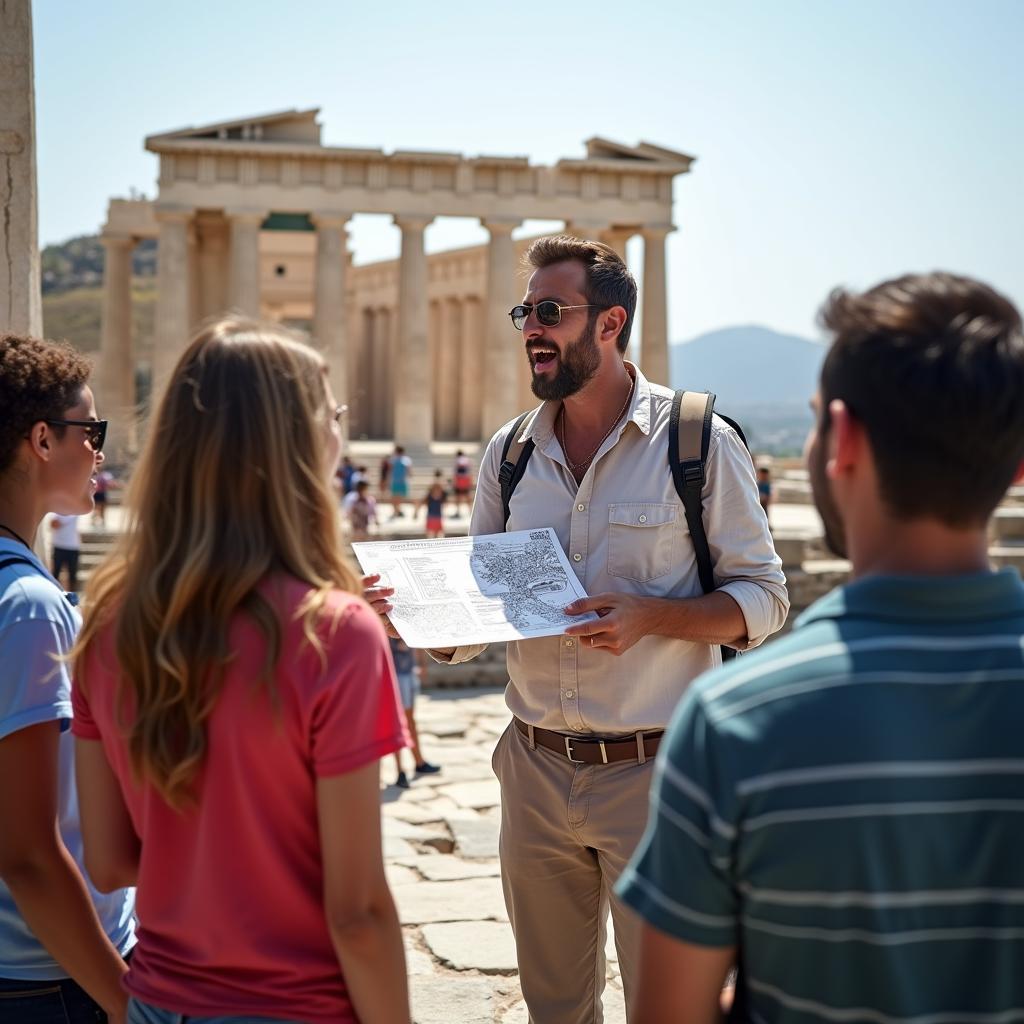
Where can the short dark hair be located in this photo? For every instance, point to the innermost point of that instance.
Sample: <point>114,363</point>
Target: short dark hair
<point>933,366</point>
<point>608,281</point>
<point>39,380</point>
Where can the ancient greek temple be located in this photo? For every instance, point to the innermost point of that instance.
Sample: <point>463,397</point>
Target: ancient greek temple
<point>251,216</point>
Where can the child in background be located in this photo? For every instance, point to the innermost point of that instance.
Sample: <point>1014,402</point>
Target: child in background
<point>360,509</point>
<point>409,666</point>
<point>434,500</point>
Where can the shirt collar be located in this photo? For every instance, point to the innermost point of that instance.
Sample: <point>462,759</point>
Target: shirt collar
<point>541,428</point>
<point>983,596</point>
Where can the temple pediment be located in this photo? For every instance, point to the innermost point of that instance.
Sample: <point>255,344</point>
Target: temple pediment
<point>289,126</point>
<point>643,153</point>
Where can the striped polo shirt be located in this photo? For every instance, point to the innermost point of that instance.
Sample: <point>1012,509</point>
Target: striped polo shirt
<point>847,808</point>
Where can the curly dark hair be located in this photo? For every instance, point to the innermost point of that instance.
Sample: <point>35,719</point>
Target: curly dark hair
<point>39,380</point>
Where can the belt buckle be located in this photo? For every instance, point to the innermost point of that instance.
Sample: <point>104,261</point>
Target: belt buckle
<point>568,751</point>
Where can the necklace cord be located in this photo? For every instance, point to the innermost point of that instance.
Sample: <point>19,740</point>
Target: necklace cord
<point>17,536</point>
<point>574,466</point>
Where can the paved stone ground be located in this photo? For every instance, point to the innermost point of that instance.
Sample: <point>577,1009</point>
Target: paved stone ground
<point>441,849</point>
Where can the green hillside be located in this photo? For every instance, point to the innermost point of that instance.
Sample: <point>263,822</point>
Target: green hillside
<point>74,315</point>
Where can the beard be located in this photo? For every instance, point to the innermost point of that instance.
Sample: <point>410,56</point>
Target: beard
<point>576,365</point>
<point>824,502</point>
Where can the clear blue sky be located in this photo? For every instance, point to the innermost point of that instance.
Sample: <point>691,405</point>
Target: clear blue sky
<point>836,142</point>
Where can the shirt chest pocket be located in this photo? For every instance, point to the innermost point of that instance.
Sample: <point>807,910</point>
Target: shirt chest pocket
<point>641,539</point>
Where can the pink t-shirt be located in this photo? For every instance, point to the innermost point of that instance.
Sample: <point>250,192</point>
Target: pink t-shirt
<point>230,894</point>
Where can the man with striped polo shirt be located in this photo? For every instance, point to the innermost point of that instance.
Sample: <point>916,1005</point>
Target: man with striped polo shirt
<point>841,814</point>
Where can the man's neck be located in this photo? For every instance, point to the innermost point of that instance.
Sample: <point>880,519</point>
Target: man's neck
<point>919,548</point>
<point>19,514</point>
<point>591,409</point>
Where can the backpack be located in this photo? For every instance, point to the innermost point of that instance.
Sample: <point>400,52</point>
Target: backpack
<point>689,435</point>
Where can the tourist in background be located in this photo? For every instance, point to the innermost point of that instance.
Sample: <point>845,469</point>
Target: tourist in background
<point>360,510</point>
<point>434,501</point>
<point>764,488</point>
<point>105,481</point>
<point>66,543</point>
<point>410,667</point>
<point>462,482</point>
<point>841,812</point>
<point>399,467</point>
<point>233,700</point>
<point>61,941</point>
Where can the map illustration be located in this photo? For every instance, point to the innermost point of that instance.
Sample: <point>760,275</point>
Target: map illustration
<point>473,590</point>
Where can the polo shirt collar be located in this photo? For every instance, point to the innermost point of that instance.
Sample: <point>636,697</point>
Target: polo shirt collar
<point>983,596</point>
<point>541,428</point>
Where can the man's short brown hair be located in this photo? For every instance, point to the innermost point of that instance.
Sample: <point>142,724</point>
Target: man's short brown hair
<point>39,380</point>
<point>933,366</point>
<point>608,281</point>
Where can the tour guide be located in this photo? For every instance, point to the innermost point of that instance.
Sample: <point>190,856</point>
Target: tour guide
<point>574,808</point>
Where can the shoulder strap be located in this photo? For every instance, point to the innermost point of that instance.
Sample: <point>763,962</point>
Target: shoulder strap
<point>17,560</point>
<point>514,456</point>
<point>689,435</point>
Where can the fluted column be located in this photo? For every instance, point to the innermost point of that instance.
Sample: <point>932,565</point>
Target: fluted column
<point>172,304</point>
<point>116,378</point>
<point>502,347</point>
<point>244,285</point>
<point>654,347</point>
<point>471,365</point>
<point>414,417</point>
<point>446,365</point>
<point>329,298</point>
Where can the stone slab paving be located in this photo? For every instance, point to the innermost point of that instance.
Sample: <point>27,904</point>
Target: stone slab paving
<point>441,849</point>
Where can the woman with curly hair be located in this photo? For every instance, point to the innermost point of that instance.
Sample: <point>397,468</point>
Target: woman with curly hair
<point>233,698</point>
<point>61,941</point>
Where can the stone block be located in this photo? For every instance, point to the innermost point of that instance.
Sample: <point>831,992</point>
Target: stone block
<point>475,795</point>
<point>473,899</point>
<point>476,838</point>
<point>455,998</point>
<point>485,946</point>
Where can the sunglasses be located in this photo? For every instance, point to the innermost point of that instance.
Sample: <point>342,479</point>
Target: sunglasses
<point>95,431</point>
<point>549,313</point>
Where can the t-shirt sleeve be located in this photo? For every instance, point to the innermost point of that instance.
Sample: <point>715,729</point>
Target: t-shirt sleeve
<point>36,687</point>
<point>356,716</point>
<point>83,724</point>
<point>680,879</point>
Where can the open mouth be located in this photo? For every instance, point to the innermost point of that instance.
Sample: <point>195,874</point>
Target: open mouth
<point>542,359</point>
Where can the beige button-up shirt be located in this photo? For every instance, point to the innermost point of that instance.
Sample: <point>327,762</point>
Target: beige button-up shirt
<point>624,530</point>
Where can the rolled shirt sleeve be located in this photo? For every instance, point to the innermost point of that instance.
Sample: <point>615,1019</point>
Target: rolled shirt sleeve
<point>746,565</point>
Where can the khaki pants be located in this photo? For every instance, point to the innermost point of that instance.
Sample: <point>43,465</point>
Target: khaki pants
<point>567,831</point>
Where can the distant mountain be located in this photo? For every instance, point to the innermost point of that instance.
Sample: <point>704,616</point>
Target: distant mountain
<point>762,378</point>
<point>748,365</point>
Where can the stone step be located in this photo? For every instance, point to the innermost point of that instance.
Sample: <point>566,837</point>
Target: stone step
<point>1007,524</point>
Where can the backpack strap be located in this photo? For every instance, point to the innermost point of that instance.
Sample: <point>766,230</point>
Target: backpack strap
<point>16,560</point>
<point>689,435</point>
<point>514,456</point>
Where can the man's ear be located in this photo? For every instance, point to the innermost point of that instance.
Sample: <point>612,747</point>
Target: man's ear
<point>611,324</point>
<point>847,440</point>
<point>40,439</point>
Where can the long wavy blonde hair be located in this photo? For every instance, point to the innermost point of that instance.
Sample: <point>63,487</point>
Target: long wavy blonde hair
<point>233,485</point>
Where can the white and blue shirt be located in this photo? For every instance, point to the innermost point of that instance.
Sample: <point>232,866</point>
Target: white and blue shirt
<point>38,626</point>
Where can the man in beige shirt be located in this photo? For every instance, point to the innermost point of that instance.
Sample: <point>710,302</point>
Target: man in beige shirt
<point>590,706</point>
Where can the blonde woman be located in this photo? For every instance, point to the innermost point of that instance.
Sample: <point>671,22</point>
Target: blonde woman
<point>233,699</point>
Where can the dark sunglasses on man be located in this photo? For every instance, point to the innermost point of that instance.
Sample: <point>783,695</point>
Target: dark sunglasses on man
<point>95,431</point>
<point>549,313</point>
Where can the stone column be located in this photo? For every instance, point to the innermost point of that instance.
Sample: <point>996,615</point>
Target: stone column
<point>446,366</point>
<point>213,265</point>
<point>244,287</point>
<point>380,360</point>
<point>654,344</point>
<point>617,239</point>
<point>115,382</point>
<point>21,304</point>
<point>501,344</point>
<point>414,417</point>
<point>472,370</point>
<point>172,307</point>
<point>329,298</point>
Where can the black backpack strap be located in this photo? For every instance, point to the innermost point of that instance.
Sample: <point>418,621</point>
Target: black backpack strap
<point>17,560</point>
<point>689,437</point>
<point>515,454</point>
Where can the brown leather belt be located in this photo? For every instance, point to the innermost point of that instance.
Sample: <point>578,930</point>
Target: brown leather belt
<point>592,751</point>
